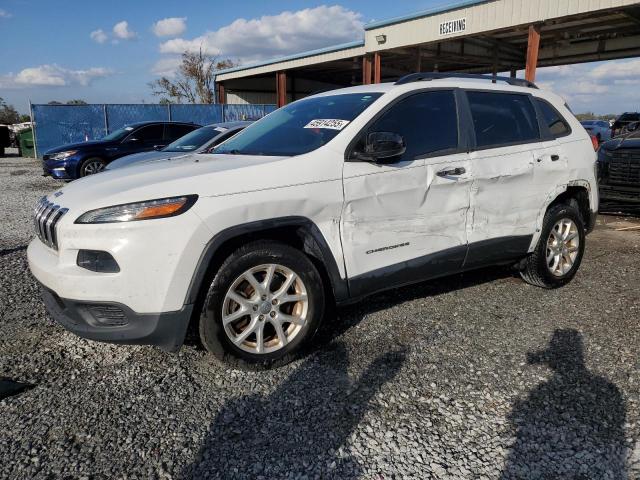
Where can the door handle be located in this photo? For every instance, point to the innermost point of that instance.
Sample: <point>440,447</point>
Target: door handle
<point>452,172</point>
<point>555,158</point>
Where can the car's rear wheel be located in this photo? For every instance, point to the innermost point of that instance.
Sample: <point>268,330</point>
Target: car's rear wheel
<point>92,166</point>
<point>264,304</point>
<point>559,251</point>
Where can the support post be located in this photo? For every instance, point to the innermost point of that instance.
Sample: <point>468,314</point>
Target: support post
<point>281,89</point>
<point>366,70</point>
<point>106,118</point>
<point>377,68</point>
<point>533,46</point>
<point>419,60</point>
<point>514,72</point>
<point>33,131</point>
<point>221,94</point>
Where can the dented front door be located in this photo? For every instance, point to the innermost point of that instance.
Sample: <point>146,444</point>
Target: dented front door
<point>405,222</point>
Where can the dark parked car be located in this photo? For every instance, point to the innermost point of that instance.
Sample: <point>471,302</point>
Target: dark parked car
<point>619,170</point>
<point>197,141</point>
<point>622,121</point>
<point>81,159</point>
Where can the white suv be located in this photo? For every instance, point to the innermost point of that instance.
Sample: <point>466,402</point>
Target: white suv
<point>328,199</point>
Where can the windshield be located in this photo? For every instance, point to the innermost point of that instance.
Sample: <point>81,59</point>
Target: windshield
<point>118,134</point>
<point>588,123</point>
<point>300,127</point>
<point>193,140</point>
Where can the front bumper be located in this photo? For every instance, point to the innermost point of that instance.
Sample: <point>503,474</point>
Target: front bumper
<point>116,323</point>
<point>57,169</point>
<point>620,194</point>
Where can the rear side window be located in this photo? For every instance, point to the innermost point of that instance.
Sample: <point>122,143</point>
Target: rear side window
<point>427,121</point>
<point>152,133</point>
<point>502,118</point>
<point>176,131</point>
<point>557,125</point>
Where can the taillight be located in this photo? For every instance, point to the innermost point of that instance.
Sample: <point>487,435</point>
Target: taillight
<point>594,142</point>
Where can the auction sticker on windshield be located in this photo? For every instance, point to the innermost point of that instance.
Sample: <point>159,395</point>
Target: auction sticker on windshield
<point>330,123</point>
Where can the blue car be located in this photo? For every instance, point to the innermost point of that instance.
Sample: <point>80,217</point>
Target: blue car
<point>77,160</point>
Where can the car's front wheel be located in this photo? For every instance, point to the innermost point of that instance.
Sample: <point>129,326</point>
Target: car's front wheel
<point>265,302</point>
<point>91,166</point>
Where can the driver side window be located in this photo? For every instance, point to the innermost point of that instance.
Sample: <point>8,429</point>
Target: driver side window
<point>427,121</point>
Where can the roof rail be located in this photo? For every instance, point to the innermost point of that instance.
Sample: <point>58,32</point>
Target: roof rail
<point>427,76</point>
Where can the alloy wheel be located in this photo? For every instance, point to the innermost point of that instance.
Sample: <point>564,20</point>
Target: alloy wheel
<point>92,167</point>
<point>265,308</point>
<point>563,245</point>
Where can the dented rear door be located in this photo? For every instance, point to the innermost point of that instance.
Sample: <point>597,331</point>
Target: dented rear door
<point>506,194</point>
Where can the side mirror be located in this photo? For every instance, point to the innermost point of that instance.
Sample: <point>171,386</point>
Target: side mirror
<point>382,147</point>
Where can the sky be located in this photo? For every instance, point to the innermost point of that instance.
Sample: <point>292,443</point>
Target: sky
<point>108,52</point>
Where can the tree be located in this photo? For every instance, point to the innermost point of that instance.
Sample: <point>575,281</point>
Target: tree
<point>193,82</point>
<point>8,114</point>
<point>76,102</point>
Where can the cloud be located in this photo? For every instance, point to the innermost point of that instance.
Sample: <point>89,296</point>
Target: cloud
<point>629,69</point>
<point>99,36</point>
<point>602,87</point>
<point>52,76</point>
<point>166,67</point>
<point>121,31</point>
<point>5,14</point>
<point>274,35</point>
<point>170,27</point>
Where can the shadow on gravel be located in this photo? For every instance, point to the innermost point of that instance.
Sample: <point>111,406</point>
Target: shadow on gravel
<point>9,251</point>
<point>9,387</point>
<point>571,426</point>
<point>299,428</point>
<point>342,319</point>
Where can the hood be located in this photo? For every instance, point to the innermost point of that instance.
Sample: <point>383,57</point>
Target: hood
<point>141,157</point>
<point>630,141</point>
<point>78,146</point>
<point>205,175</point>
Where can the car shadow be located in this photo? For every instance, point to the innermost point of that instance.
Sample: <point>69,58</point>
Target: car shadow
<point>570,426</point>
<point>302,425</point>
<point>340,319</point>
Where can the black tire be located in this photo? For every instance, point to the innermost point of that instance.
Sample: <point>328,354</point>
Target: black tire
<point>212,332</point>
<point>88,162</point>
<point>536,271</point>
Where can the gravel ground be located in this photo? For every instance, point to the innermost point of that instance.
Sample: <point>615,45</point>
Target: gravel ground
<point>473,377</point>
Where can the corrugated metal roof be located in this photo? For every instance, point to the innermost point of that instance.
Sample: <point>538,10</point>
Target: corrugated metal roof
<point>295,56</point>
<point>425,13</point>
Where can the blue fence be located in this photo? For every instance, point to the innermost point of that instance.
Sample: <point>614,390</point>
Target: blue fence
<point>57,125</point>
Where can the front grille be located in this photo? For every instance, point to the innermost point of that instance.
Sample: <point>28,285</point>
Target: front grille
<point>624,167</point>
<point>46,217</point>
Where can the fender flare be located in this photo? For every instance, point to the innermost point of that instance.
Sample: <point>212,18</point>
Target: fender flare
<point>313,240</point>
<point>550,198</point>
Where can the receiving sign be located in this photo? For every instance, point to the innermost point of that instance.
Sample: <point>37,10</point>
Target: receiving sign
<point>330,123</point>
<point>453,26</point>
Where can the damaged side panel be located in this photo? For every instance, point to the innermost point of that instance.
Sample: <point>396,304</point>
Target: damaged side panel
<point>396,213</point>
<point>505,197</point>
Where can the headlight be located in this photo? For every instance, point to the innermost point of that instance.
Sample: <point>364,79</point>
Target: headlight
<point>131,212</point>
<point>63,155</point>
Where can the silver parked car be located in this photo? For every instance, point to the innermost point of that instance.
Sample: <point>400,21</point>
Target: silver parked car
<point>198,141</point>
<point>601,129</point>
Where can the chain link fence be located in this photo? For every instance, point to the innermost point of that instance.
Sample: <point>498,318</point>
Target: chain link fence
<point>56,125</point>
